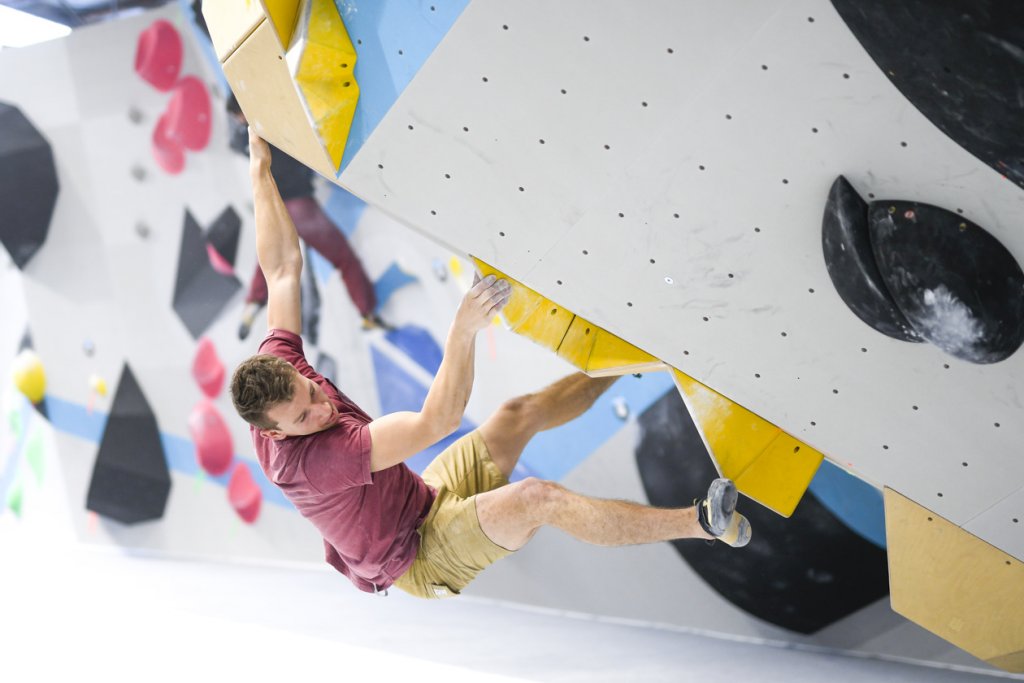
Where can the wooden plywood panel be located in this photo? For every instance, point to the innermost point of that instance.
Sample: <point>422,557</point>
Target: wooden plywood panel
<point>259,77</point>
<point>230,23</point>
<point>954,584</point>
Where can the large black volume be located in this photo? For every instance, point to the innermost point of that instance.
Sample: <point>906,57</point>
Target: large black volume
<point>130,480</point>
<point>959,62</point>
<point>801,573</point>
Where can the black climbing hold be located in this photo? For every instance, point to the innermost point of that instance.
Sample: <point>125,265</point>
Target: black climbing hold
<point>957,284</point>
<point>850,261</point>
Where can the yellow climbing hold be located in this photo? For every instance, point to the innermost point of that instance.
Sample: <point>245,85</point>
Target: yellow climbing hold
<point>29,375</point>
<point>98,385</point>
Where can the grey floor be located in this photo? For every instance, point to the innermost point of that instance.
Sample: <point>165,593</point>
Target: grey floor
<point>70,610</point>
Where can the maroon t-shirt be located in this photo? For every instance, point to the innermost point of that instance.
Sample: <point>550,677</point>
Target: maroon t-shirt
<point>368,519</point>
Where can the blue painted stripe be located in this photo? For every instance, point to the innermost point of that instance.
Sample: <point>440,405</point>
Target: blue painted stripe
<point>73,418</point>
<point>860,506</point>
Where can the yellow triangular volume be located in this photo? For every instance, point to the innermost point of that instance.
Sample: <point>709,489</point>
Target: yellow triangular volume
<point>766,464</point>
<point>283,15</point>
<point>325,74</point>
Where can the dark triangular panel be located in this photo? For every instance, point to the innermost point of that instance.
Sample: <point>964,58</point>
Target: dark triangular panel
<point>200,292</point>
<point>223,234</point>
<point>130,479</point>
<point>801,573</point>
<point>957,284</point>
<point>28,185</point>
<point>846,245</point>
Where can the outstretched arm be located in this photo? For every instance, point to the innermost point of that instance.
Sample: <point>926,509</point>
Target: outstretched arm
<point>398,436</point>
<point>277,243</point>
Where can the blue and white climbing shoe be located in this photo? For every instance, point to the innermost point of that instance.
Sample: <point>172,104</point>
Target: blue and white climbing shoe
<point>717,514</point>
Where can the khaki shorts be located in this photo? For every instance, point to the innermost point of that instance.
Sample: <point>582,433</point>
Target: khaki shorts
<point>453,547</point>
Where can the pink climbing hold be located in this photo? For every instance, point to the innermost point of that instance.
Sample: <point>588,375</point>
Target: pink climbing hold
<point>244,494</point>
<point>207,370</point>
<point>189,118</point>
<point>158,55</point>
<point>214,449</point>
<point>218,262</point>
<point>168,154</point>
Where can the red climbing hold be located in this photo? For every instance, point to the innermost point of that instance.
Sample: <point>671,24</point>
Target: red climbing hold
<point>188,114</point>
<point>169,155</point>
<point>214,450</point>
<point>207,370</point>
<point>158,55</point>
<point>244,494</point>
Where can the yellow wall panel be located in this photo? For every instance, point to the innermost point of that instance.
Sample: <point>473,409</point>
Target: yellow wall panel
<point>778,477</point>
<point>615,356</point>
<point>523,302</point>
<point>954,584</point>
<point>766,464</point>
<point>578,342</point>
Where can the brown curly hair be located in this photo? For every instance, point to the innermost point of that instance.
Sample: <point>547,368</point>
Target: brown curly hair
<point>260,383</point>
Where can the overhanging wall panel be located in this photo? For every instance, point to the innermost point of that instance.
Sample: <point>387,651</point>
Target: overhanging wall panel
<point>773,101</point>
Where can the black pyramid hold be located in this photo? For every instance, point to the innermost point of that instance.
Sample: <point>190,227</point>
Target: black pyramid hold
<point>200,292</point>
<point>130,480</point>
<point>223,234</point>
<point>801,573</point>
<point>846,244</point>
<point>28,185</point>
<point>958,285</point>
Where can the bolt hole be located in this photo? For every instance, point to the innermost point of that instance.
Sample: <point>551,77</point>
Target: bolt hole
<point>629,303</point>
<point>502,234</point>
<point>554,310</point>
<point>835,391</point>
<point>796,449</point>
<point>964,464</point>
<point>558,281</point>
<point>940,494</point>
<point>585,252</point>
<point>705,318</point>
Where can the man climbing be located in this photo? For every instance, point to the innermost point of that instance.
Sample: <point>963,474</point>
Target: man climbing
<point>384,525</point>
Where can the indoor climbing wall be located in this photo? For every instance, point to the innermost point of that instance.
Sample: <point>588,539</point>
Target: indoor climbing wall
<point>677,201</point>
<point>663,173</point>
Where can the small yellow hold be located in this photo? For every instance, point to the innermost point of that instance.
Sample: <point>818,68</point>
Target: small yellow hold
<point>455,266</point>
<point>98,385</point>
<point>29,376</point>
